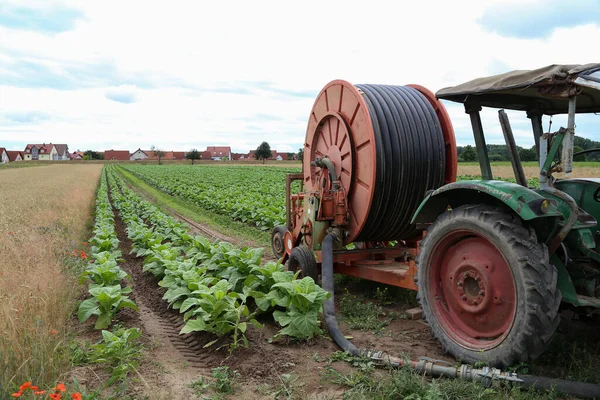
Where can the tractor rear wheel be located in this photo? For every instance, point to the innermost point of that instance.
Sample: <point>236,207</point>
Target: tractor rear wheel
<point>303,259</point>
<point>486,286</point>
<point>277,244</point>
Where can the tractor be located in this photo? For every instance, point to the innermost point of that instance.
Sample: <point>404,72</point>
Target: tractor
<point>492,260</point>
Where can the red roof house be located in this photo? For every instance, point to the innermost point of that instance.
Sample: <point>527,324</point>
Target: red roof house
<point>14,155</point>
<point>218,152</point>
<point>120,155</point>
<point>169,155</point>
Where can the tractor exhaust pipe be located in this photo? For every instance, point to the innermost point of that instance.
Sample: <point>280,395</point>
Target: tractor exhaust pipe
<point>436,368</point>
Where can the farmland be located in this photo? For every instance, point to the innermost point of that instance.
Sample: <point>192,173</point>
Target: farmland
<point>165,312</point>
<point>256,195</point>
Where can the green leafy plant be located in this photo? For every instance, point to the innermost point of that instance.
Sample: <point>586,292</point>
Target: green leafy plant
<point>120,351</point>
<point>104,304</point>
<point>217,310</point>
<point>303,301</point>
<point>107,273</point>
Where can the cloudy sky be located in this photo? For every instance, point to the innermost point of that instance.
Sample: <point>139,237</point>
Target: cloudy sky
<point>182,74</point>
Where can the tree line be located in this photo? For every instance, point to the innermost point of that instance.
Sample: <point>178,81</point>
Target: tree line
<point>499,152</point>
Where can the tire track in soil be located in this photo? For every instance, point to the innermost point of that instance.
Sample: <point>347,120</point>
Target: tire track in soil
<point>179,355</point>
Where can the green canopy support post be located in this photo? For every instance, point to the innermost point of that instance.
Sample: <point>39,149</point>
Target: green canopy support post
<point>482,154</point>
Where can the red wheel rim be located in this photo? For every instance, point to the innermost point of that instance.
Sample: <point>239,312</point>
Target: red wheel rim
<point>471,290</point>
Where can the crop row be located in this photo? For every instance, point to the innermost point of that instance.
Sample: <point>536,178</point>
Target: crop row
<point>251,195</point>
<point>217,287</point>
<point>103,272</point>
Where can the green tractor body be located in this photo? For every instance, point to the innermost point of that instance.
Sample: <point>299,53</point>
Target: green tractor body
<point>547,239</point>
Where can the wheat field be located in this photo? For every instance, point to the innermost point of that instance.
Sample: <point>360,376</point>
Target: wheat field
<point>44,215</point>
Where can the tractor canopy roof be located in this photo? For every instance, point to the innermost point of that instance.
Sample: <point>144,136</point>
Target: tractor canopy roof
<point>545,90</point>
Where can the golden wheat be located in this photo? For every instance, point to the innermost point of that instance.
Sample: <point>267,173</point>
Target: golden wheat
<point>44,215</point>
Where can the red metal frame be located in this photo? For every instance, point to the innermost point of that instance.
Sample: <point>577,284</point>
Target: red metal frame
<point>389,265</point>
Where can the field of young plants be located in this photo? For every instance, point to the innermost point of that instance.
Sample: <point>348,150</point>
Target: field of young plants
<point>165,312</point>
<point>253,195</point>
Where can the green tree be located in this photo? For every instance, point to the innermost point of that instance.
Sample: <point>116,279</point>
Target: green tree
<point>528,155</point>
<point>158,153</point>
<point>469,154</point>
<point>580,157</point>
<point>93,155</point>
<point>263,152</point>
<point>193,154</point>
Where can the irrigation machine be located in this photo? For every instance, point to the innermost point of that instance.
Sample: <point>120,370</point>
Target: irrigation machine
<point>491,260</point>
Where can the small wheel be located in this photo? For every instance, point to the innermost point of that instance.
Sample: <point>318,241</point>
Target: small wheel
<point>303,259</point>
<point>277,243</point>
<point>486,286</point>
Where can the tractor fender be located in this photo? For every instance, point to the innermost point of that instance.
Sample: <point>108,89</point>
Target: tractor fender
<point>526,203</point>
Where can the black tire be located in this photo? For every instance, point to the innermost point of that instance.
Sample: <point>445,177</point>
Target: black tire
<point>535,317</point>
<point>277,244</point>
<point>303,259</point>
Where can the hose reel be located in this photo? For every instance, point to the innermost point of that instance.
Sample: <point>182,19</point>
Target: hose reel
<point>389,145</point>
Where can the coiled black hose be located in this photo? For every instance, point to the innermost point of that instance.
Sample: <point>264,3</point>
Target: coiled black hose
<point>411,159</point>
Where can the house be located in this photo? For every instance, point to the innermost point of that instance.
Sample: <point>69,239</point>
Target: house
<point>62,152</point>
<point>119,155</point>
<point>40,152</point>
<point>169,155</point>
<point>219,152</point>
<point>139,154</point>
<point>14,155</point>
<point>205,155</point>
<point>3,156</point>
<point>76,155</point>
<point>238,156</point>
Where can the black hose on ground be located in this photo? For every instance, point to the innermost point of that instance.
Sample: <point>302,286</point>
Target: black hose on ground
<point>573,388</point>
<point>433,368</point>
<point>329,305</point>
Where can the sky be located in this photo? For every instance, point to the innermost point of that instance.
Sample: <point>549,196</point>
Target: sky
<point>188,74</point>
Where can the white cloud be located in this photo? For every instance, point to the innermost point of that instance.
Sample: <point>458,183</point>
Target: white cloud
<point>187,52</point>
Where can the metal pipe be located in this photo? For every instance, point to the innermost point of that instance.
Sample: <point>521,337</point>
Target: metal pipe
<point>427,366</point>
<point>325,162</point>
<point>567,149</point>
<point>513,153</point>
<point>536,125</point>
<point>573,214</point>
<point>482,154</point>
<point>543,156</point>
